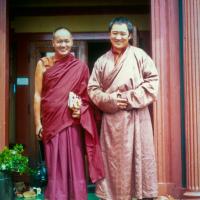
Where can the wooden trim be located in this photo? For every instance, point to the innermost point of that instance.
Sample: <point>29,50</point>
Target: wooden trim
<point>91,36</point>
<point>76,36</point>
<point>4,97</point>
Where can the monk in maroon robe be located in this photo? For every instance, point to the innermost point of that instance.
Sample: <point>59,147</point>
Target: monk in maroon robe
<point>60,127</point>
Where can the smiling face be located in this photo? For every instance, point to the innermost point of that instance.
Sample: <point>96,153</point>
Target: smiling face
<point>62,42</point>
<point>119,37</point>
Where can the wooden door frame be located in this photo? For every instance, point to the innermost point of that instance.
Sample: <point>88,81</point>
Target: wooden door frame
<point>4,73</point>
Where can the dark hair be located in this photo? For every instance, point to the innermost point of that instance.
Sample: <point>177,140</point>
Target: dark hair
<point>121,20</point>
<point>60,28</point>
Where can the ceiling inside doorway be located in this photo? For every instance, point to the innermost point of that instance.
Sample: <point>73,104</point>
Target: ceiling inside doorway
<point>60,7</point>
<point>49,3</point>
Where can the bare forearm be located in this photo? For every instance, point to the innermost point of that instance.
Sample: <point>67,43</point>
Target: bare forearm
<point>37,112</point>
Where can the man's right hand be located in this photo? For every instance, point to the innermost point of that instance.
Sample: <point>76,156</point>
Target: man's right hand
<point>121,103</point>
<point>39,132</point>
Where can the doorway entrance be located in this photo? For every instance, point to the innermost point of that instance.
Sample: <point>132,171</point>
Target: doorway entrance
<point>29,49</point>
<point>96,48</point>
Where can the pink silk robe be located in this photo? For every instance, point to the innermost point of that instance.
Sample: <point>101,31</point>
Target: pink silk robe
<point>126,135</point>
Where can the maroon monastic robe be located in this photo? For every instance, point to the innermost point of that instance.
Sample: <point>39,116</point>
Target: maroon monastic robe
<point>70,74</point>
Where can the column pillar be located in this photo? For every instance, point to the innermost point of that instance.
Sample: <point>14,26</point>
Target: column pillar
<point>4,97</point>
<point>166,111</point>
<point>191,34</point>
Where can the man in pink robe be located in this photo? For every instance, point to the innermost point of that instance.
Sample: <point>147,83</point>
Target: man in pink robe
<point>60,127</point>
<point>123,83</point>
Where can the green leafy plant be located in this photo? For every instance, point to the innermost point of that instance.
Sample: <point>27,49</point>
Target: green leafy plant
<point>12,160</point>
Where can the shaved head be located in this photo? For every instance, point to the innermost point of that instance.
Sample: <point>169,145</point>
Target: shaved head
<point>61,30</point>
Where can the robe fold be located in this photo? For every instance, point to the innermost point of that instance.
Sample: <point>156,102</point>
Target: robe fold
<point>126,135</point>
<point>69,74</point>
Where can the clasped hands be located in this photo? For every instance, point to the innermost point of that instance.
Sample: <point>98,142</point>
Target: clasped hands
<point>121,102</point>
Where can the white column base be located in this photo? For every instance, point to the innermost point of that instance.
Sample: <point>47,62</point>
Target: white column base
<point>192,194</point>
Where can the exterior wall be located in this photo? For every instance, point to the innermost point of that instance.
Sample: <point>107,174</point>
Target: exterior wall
<point>89,23</point>
<point>167,123</point>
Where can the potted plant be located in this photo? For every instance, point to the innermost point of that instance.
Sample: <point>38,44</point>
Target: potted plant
<point>11,160</point>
